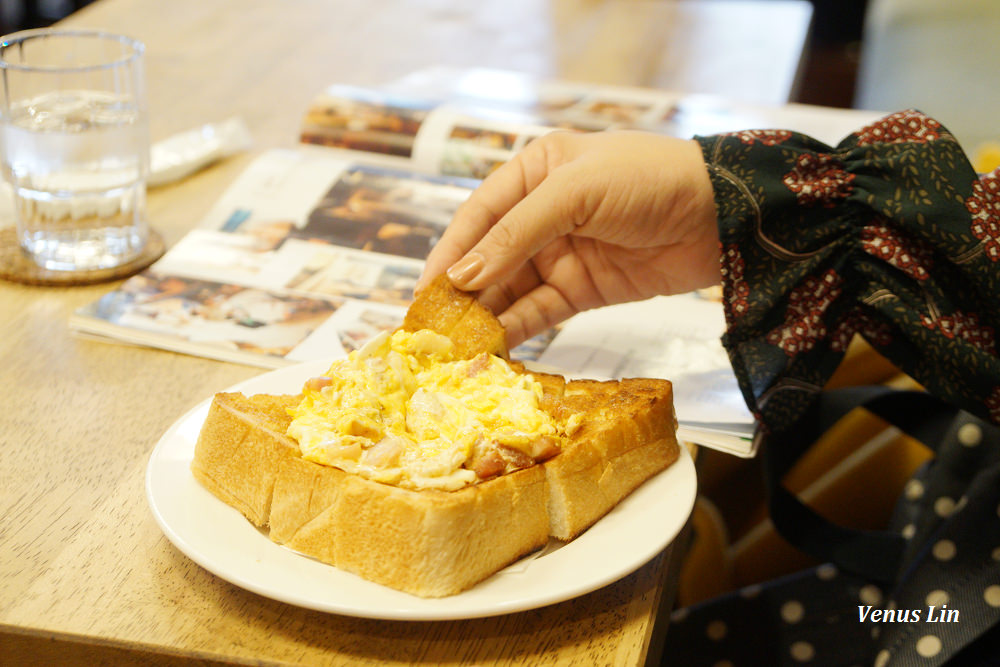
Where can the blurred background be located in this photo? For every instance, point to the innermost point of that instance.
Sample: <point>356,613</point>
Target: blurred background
<point>831,61</point>
<point>885,55</point>
<point>23,14</point>
<point>829,69</point>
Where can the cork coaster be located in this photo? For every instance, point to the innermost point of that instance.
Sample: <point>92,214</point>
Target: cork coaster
<point>16,266</point>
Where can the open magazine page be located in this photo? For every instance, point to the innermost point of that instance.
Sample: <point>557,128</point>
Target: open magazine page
<point>366,119</point>
<point>466,122</point>
<point>587,106</point>
<point>676,338</point>
<point>468,130</point>
<point>304,257</point>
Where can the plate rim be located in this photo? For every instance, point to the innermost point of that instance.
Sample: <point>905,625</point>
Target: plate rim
<point>417,608</point>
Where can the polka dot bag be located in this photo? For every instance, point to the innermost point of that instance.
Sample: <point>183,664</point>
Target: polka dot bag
<point>924,592</point>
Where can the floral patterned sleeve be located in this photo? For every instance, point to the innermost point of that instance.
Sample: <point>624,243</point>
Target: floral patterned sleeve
<point>891,235</point>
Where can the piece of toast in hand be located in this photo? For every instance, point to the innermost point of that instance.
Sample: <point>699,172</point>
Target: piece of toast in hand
<point>434,543</point>
<point>444,308</point>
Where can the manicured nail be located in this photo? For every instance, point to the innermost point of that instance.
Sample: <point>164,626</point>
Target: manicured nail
<point>466,269</point>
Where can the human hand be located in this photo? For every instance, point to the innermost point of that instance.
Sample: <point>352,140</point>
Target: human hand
<point>577,221</point>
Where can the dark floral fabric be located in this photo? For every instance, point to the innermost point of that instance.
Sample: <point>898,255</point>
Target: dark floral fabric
<point>890,235</point>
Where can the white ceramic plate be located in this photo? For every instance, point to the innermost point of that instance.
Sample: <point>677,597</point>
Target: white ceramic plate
<point>218,538</point>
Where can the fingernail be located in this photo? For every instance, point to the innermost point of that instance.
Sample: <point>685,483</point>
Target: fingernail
<point>466,269</point>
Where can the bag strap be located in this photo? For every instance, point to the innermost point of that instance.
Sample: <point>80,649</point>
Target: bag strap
<point>876,555</point>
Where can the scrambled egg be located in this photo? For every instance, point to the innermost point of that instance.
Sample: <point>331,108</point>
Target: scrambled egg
<point>401,410</point>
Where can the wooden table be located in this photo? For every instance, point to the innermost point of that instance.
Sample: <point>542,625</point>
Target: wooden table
<point>86,576</point>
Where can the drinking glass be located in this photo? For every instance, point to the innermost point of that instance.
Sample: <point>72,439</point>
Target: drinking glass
<point>74,146</point>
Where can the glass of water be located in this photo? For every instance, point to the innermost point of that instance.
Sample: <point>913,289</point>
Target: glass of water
<point>75,146</point>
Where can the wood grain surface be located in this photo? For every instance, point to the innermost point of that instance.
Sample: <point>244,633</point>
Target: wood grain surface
<point>86,576</point>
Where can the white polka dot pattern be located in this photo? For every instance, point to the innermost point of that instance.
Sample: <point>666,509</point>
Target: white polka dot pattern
<point>802,651</point>
<point>944,506</point>
<point>937,598</point>
<point>944,550</point>
<point>716,630</point>
<point>970,435</point>
<point>792,611</point>
<point>826,572</point>
<point>870,594</point>
<point>831,615</point>
<point>928,646</point>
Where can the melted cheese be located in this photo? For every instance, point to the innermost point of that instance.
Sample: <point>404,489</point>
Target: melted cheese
<point>402,410</point>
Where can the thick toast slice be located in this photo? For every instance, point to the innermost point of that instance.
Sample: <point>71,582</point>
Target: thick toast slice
<point>428,543</point>
<point>240,448</point>
<point>437,543</point>
<point>627,434</point>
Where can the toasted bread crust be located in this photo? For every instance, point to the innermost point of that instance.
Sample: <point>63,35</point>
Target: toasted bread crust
<point>234,428</point>
<point>437,543</point>
<point>456,314</point>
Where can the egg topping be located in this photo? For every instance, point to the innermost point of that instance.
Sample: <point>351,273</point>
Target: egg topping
<point>402,410</point>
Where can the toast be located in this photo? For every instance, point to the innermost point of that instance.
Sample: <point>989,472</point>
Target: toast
<point>429,542</point>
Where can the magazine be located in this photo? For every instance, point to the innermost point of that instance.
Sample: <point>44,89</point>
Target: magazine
<point>305,256</point>
<point>466,122</point>
<point>313,250</point>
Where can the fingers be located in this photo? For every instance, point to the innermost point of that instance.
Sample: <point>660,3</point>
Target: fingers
<point>531,302</point>
<point>575,221</point>
<point>487,204</point>
<point>472,220</point>
<point>502,295</point>
<point>519,202</point>
<point>545,214</point>
<point>535,312</point>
